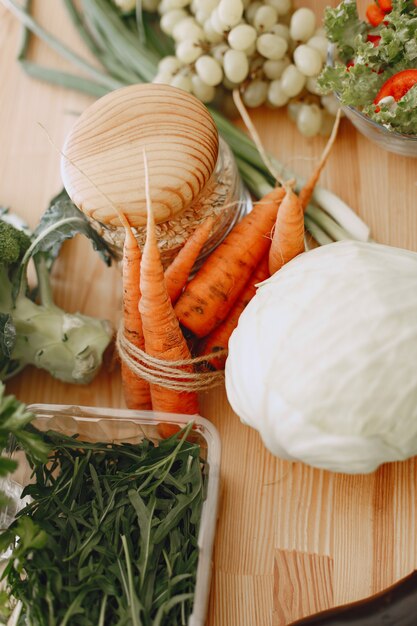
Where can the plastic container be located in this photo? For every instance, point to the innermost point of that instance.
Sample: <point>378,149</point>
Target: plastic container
<point>121,426</point>
<point>389,140</point>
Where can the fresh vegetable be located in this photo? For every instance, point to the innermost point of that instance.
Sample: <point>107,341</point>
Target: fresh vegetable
<point>374,14</point>
<point>68,345</point>
<point>376,54</point>
<point>397,86</point>
<point>136,390</point>
<point>288,238</point>
<point>110,536</point>
<point>218,339</point>
<point>321,361</point>
<point>178,272</point>
<point>14,420</point>
<point>210,295</point>
<point>125,58</point>
<point>161,330</point>
<point>394,606</point>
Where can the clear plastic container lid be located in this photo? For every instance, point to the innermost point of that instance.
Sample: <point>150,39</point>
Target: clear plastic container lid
<point>123,426</point>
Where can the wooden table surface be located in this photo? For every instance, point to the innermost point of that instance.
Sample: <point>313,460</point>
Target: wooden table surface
<point>290,540</point>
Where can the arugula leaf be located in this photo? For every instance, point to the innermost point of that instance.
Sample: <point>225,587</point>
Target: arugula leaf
<point>113,529</point>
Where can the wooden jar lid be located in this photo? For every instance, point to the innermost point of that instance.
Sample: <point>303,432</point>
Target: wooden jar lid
<point>102,162</point>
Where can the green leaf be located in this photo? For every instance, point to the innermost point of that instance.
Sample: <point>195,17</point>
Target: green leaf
<point>61,221</point>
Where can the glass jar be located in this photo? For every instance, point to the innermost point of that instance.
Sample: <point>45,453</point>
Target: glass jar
<point>192,171</point>
<point>224,196</point>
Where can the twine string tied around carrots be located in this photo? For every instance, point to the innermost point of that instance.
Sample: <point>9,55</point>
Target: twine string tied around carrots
<point>170,374</point>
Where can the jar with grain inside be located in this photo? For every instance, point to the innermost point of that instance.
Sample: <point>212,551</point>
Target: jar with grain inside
<point>192,172</point>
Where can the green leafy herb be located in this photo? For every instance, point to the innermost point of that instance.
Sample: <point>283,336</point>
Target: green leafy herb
<point>110,536</point>
<point>14,420</point>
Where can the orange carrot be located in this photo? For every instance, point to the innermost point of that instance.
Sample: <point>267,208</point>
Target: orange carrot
<point>177,274</point>
<point>218,339</point>
<point>136,390</point>
<point>288,238</point>
<point>209,296</point>
<point>161,330</point>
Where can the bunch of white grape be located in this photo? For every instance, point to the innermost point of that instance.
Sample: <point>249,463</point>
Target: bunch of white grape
<point>271,52</point>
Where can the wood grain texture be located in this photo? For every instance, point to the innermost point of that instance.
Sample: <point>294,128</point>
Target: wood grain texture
<point>339,538</point>
<point>102,162</point>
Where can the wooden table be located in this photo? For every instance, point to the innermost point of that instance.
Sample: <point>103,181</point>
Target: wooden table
<point>290,540</point>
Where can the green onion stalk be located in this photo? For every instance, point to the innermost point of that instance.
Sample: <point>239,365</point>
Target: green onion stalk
<point>128,49</point>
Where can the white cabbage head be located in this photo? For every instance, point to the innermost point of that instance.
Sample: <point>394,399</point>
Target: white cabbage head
<point>323,362</point>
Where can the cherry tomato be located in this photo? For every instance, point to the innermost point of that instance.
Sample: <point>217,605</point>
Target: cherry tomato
<point>374,14</point>
<point>385,5</point>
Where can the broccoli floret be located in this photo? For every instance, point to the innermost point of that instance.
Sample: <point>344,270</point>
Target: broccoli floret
<point>37,332</point>
<point>13,243</point>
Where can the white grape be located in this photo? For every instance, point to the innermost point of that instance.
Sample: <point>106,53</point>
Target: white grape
<point>274,69</point>
<point>209,70</point>
<point>250,51</point>
<point>182,82</point>
<point>169,65</point>
<point>188,51</point>
<point>293,109</point>
<point>251,11</point>
<point>283,7</point>
<point>276,95</point>
<point>217,23</point>
<point>282,30</point>
<point>236,65</point>
<point>211,35</point>
<point>312,85</point>
<point>230,12</point>
<point>320,44</point>
<point>207,5</point>
<point>255,93</point>
<point>330,103</point>
<point>229,84</point>
<point>187,29</point>
<point>162,78</point>
<point>265,17</point>
<point>309,120</point>
<point>307,60</point>
<point>202,90</point>
<point>303,24</point>
<point>170,19</point>
<point>218,52</point>
<point>169,5</point>
<point>293,81</point>
<point>271,46</point>
<point>242,37</point>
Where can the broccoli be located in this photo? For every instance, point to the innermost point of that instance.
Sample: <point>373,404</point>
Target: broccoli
<point>35,331</point>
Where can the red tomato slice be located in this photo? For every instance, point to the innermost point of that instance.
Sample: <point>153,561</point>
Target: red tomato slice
<point>374,14</point>
<point>375,39</point>
<point>398,85</point>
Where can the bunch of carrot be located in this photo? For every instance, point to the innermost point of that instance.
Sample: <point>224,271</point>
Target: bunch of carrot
<point>158,304</point>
